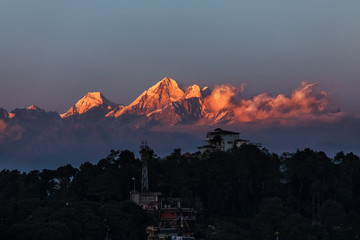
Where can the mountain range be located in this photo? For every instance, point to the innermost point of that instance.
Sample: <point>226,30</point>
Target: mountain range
<point>95,124</point>
<point>162,104</point>
<point>164,115</point>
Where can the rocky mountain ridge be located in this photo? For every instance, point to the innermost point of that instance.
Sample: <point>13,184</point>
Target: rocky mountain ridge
<point>167,116</point>
<point>94,124</point>
<point>162,104</point>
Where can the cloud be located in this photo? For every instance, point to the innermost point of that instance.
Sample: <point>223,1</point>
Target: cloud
<point>2,130</point>
<point>304,104</point>
<point>2,126</point>
<point>222,97</point>
<point>12,132</point>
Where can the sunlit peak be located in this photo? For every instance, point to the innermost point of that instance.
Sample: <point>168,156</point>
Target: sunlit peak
<point>192,91</point>
<point>32,107</point>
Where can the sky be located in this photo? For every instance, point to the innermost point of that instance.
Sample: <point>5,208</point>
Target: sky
<point>53,52</point>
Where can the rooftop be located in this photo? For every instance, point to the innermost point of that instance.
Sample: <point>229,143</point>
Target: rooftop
<point>221,131</point>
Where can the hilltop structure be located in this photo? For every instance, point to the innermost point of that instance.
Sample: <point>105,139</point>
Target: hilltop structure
<point>146,199</point>
<point>173,218</point>
<point>221,140</point>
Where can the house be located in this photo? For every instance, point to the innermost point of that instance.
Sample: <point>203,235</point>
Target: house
<point>174,218</point>
<point>148,201</point>
<point>221,140</point>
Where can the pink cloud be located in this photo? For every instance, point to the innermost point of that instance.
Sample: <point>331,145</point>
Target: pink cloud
<point>306,103</point>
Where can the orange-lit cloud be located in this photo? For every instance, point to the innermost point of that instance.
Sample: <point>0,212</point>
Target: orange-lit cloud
<point>222,96</point>
<point>306,103</point>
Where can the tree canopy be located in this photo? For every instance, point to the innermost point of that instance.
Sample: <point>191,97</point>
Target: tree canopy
<point>244,193</point>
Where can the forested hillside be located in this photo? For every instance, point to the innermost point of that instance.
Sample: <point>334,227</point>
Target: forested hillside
<point>247,193</point>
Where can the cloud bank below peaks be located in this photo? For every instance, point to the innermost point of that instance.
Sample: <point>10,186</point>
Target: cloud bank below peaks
<point>13,132</point>
<point>304,105</point>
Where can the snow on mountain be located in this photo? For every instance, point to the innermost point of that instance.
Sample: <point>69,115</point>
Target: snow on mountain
<point>166,104</point>
<point>31,133</point>
<point>205,92</point>
<point>28,110</point>
<point>192,91</point>
<point>223,116</point>
<point>33,107</point>
<point>115,112</point>
<point>188,110</point>
<point>184,111</point>
<point>155,98</point>
<point>33,115</point>
<point>90,102</point>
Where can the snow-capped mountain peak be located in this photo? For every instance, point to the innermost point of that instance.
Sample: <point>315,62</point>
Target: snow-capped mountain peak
<point>155,98</point>
<point>159,95</point>
<point>192,91</point>
<point>33,107</point>
<point>168,87</point>
<point>90,101</point>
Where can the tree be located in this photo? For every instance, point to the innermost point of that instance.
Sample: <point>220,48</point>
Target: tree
<point>297,228</point>
<point>310,178</point>
<point>124,220</point>
<point>270,219</point>
<point>333,215</point>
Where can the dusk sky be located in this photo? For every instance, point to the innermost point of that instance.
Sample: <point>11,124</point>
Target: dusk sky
<point>227,119</point>
<point>53,52</point>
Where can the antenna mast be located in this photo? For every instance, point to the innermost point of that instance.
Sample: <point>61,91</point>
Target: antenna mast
<point>145,152</point>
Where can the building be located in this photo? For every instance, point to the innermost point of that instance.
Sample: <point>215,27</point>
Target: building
<point>173,218</point>
<point>221,140</point>
<point>149,201</point>
<point>146,199</point>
